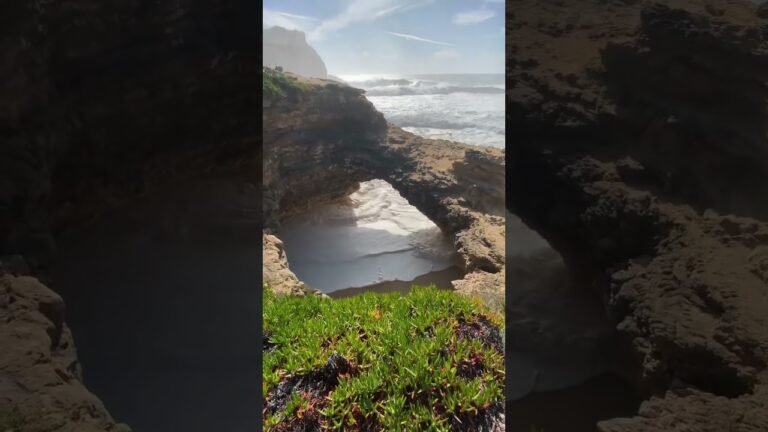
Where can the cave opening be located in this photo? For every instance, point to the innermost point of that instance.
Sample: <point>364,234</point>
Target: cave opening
<point>161,298</point>
<point>371,240</point>
<point>562,350</point>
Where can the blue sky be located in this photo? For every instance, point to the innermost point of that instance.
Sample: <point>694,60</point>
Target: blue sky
<point>398,36</point>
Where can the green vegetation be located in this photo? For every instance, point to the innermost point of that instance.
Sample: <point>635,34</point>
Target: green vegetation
<point>430,360</point>
<point>270,87</point>
<point>278,84</point>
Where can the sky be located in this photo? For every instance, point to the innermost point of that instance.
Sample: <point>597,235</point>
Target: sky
<point>398,36</point>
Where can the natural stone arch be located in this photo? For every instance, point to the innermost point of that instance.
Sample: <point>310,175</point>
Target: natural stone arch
<point>319,143</point>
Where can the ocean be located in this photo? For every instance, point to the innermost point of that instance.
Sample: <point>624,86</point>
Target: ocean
<point>376,235</point>
<point>467,108</point>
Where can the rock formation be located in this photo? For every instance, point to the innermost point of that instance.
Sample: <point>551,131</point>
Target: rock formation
<point>112,108</point>
<point>101,102</point>
<point>40,388</point>
<point>322,138</point>
<point>289,50</point>
<point>635,129</point>
<point>276,273</point>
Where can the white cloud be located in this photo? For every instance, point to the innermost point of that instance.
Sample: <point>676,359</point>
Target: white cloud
<point>446,53</point>
<point>419,39</point>
<point>388,11</point>
<point>363,10</point>
<point>473,16</point>
<point>299,17</point>
<point>274,18</point>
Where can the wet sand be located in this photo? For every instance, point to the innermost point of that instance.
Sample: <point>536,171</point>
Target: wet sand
<point>442,279</point>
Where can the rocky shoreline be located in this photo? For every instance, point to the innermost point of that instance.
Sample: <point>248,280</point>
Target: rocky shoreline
<point>335,138</point>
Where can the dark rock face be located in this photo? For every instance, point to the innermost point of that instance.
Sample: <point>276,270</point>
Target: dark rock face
<point>628,120</point>
<point>762,10</point>
<point>103,101</point>
<point>317,146</point>
<point>289,49</point>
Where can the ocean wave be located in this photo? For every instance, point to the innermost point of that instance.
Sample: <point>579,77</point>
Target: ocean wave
<point>376,221</point>
<point>413,91</point>
<point>429,121</point>
<point>469,136</point>
<point>379,82</point>
<point>390,86</point>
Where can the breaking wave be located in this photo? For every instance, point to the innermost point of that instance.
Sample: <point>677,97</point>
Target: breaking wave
<point>449,84</point>
<point>374,235</point>
<point>463,108</point>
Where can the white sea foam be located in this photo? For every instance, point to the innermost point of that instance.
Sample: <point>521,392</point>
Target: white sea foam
<point>374,235</point>
<point>464,108</point>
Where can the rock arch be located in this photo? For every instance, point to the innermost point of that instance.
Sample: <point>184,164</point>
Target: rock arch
<point>320,143</point>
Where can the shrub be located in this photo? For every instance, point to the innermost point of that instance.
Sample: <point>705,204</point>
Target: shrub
<point>276,84</point>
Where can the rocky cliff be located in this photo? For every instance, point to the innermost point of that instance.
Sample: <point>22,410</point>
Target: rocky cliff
<point>636,131</point>
<point>321,138</point>
<point>101,102</point>
<point>289,50</point>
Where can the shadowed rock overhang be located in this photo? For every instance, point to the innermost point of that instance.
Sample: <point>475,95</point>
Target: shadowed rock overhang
<point>634,128</point>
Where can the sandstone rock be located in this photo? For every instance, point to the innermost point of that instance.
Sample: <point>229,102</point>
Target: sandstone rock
<point>40,382</point>
<point>488,287</point>
<point>276,273</point>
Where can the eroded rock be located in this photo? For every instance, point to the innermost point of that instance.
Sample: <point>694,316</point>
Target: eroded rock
<point>318,148</point>
<point>40,379</point>
<point>635,126</point>
<point>276,273</point>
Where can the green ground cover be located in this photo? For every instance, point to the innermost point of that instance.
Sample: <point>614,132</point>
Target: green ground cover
<point>430,360</point>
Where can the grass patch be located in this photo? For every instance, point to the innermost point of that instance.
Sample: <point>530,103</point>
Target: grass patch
<point>431,360</point>
<point>276,84</point>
